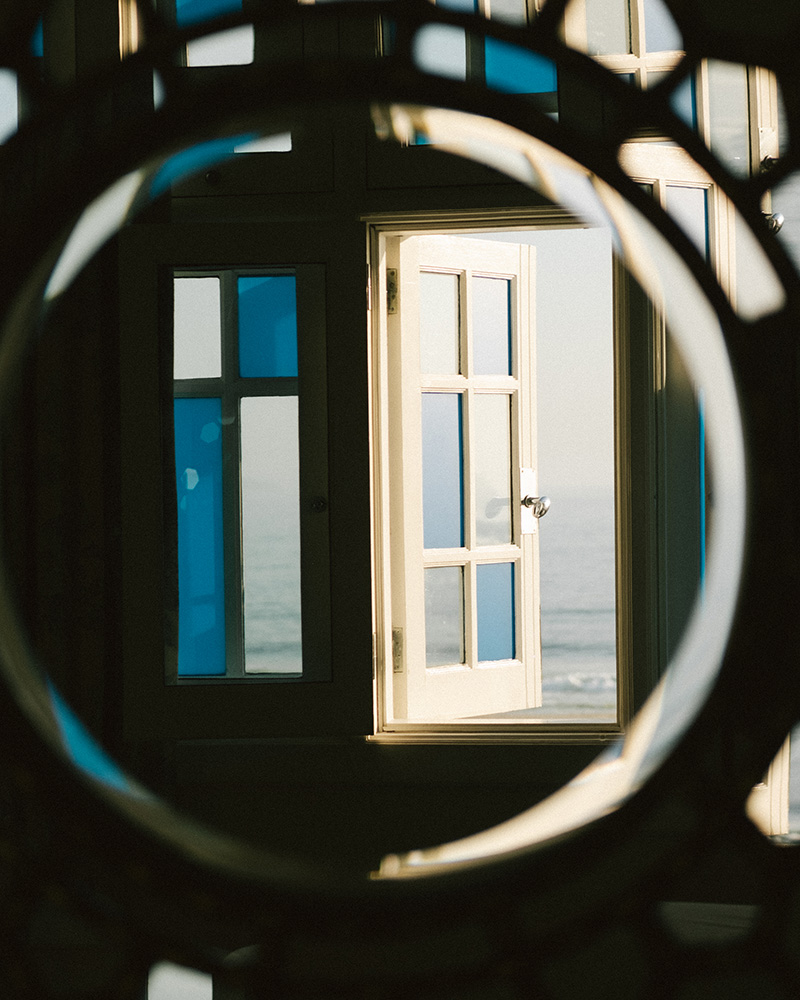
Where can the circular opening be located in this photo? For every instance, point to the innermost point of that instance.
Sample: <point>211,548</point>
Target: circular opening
<point>39,322</point>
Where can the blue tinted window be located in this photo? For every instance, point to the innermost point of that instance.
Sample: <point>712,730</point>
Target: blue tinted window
<point>37,41</point>
<point>514,70</point>
<point>442,471</point>
<point>267,326</point>
<point>194,11</point>
<point>201,597</point>
<point>496,618</point>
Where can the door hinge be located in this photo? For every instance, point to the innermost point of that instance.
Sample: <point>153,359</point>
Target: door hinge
<point>397,650</point>
<point>391,290</point>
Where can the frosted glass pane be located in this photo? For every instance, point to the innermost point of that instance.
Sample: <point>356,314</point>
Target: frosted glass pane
<point>8,104</point>
<point>444,615</point>
<point>661,32</point>
<point>495,596</point>
<point>689,207</point>
<point>197,332</point>
<point>510,11</point>
<point>442,478</point>
<point>271,534</point>
<point>515,70</point>
<point>491,437</point>
<point>441,49</point>
<point>267,326</point>
<point>491,326</point>
<point>607,27</point>
<point>728,115</point>
<point>438,323</point>
<point>201,580</point>
<point>234,47</point>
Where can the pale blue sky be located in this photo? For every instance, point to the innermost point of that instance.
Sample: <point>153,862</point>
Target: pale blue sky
<point>574,344</point>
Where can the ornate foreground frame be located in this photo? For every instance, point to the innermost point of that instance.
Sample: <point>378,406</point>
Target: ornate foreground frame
<point>96,885</point>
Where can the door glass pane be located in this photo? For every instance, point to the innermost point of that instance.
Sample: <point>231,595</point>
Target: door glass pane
<point>728,115</point>
<point>661,32</point>
<point>444,615</point>
<point>267,326</point>
<point>491,436</point>
<point>201,581</point>
<point>491,326</point>
<point>195,11</point>
<point>270,475</point>
<point>438,323</point>
<point>496,617</point>
<point>607,27</point>
<point>689,207</point>
<point>197,333</point>
<point>442,475</point>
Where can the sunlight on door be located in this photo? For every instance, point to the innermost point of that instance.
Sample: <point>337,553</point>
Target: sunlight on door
<point>497,352</point>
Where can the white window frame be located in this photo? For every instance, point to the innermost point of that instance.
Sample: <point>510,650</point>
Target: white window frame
<point>385,640</point>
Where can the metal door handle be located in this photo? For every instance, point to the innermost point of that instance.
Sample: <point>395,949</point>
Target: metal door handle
<point>539,506</point>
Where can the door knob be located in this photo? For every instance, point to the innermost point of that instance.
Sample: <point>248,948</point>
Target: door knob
<point>539,506</point>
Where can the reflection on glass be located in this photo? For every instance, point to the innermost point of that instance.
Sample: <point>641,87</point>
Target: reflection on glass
<point>442,477</point>
<point>270,474</point>
<point>496,617</point>
<point>438,323</point>
<point>465,6</point>
<point>201,580</point>
<point>515,70</point>
<point>491,326</point>
<point>688,206</point>
<point>8,103</point>
<point>444,615</point>
<point>728,115</point>
<point>608,27</point>
<point>197,351</point>
<point>441,49</point>
<point>267,326</point>
<point>661,32</point>
<point>491,435</point>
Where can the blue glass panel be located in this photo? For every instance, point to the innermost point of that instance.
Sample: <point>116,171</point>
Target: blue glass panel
<point>496,617</point>
<point>37,41</point>
<point>81,746</point>
<point>442,471</point>
<point>201,581</point>
<point>515,70</point>
<point>194,11</point>
<point>466,6</point>
<point>196,159</point>
<point>444,616</point>
<point>267,326</point>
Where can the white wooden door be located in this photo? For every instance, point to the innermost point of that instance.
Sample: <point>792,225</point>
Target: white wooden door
<point>465,574</point>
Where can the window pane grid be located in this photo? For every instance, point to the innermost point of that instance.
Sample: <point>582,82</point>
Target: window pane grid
<point>481,551</point>
<point>267,330</point>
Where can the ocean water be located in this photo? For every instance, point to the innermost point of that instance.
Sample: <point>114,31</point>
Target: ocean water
<point>578,617</point>
<point>578,605</point>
